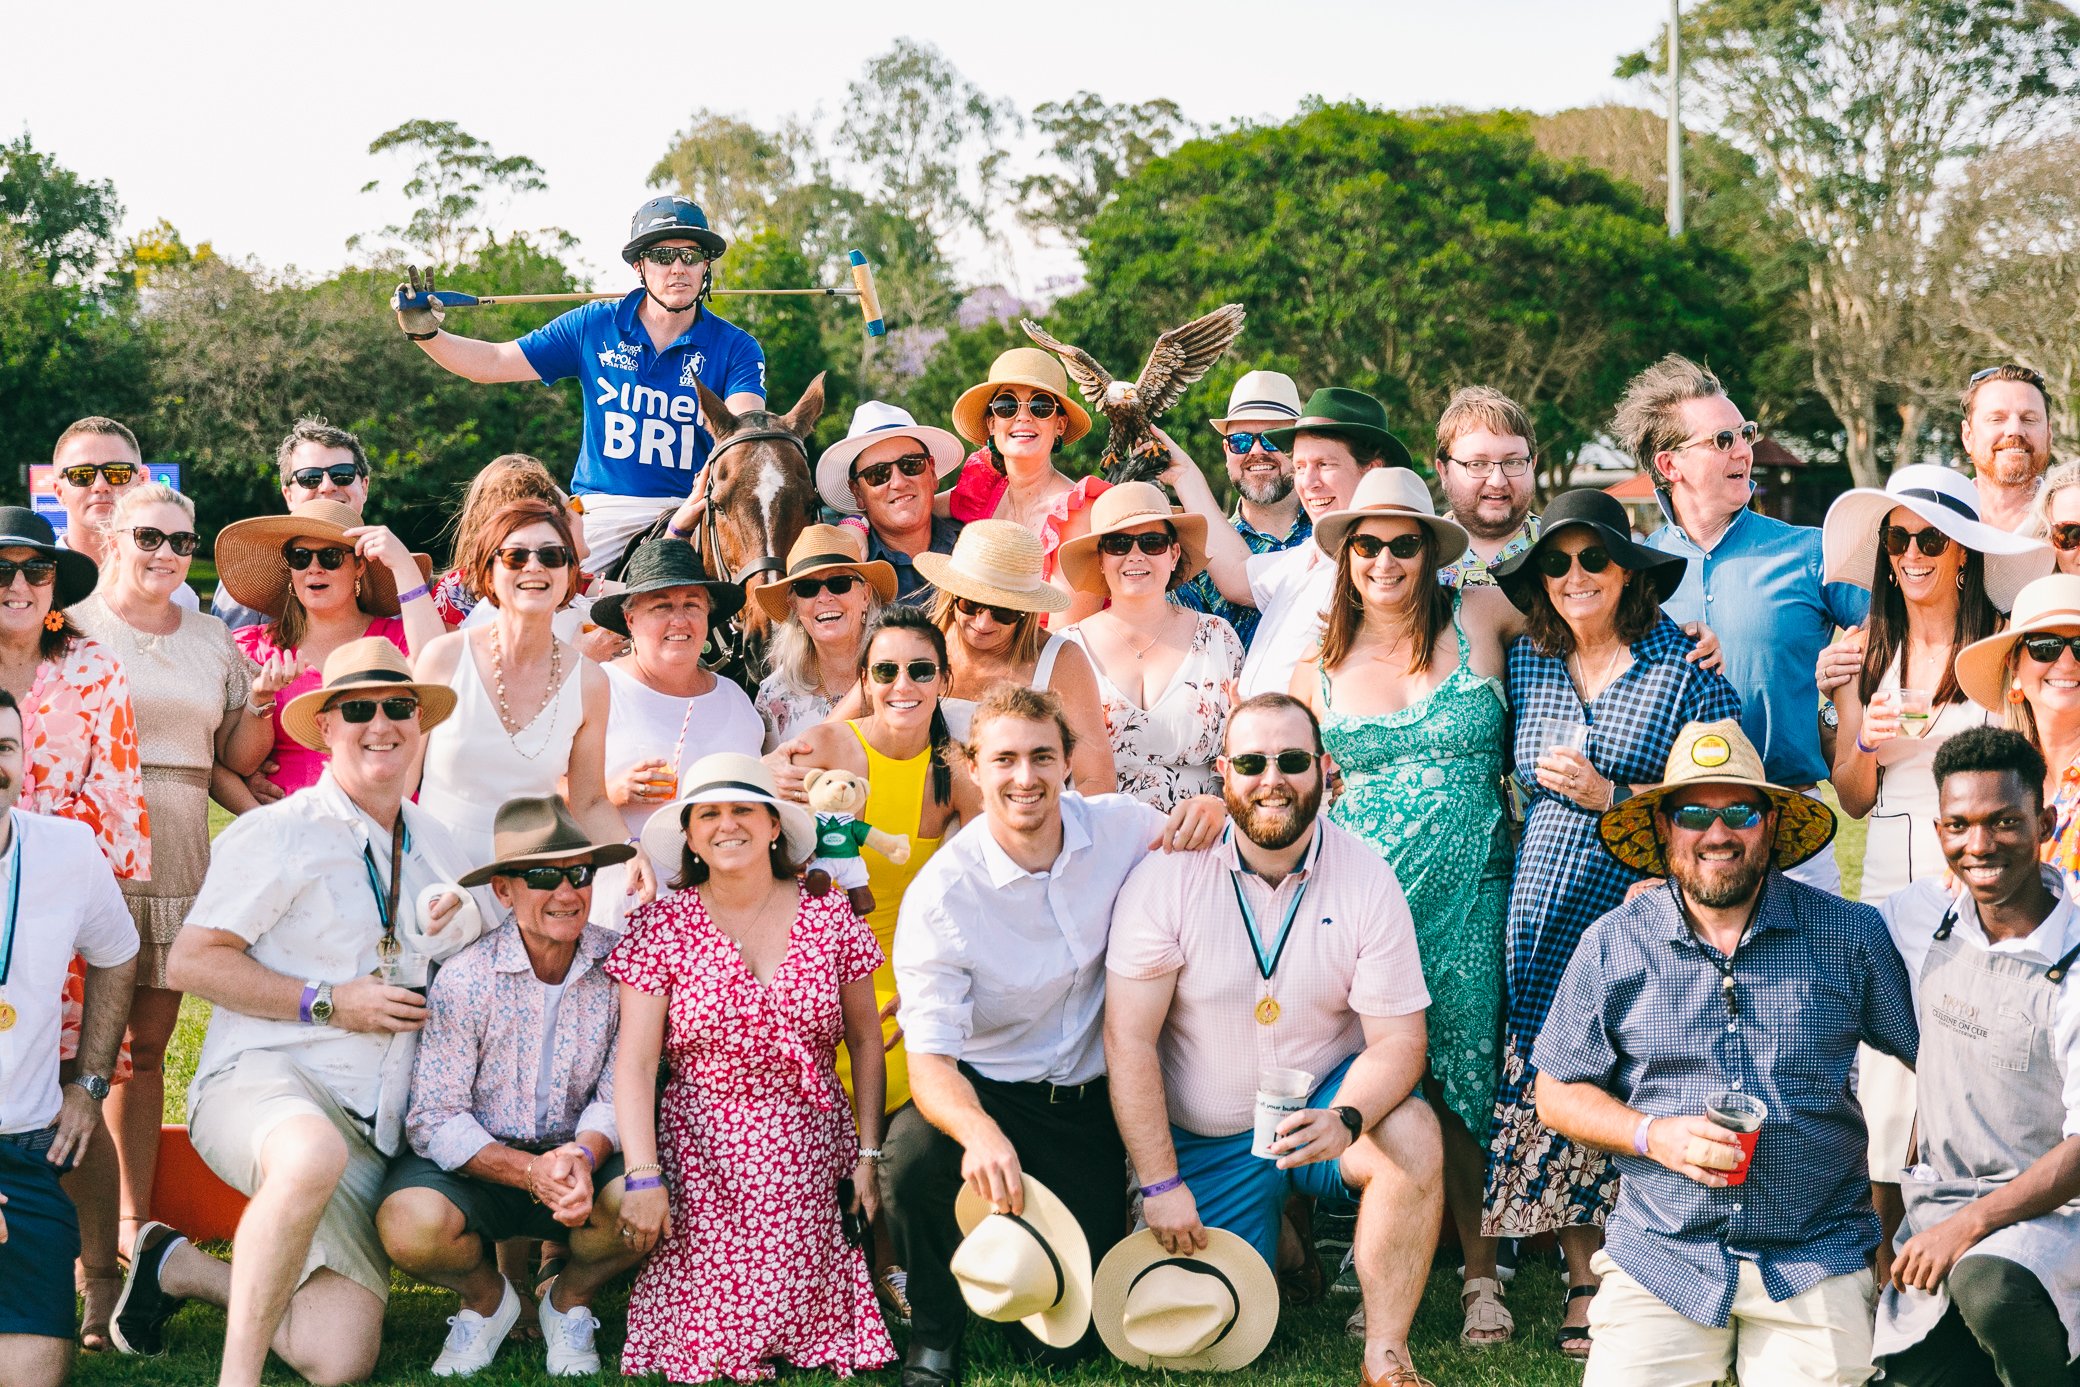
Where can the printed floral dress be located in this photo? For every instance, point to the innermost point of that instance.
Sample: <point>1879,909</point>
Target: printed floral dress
<point>1164,753</point>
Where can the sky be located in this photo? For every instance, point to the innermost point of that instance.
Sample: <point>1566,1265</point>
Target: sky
<point>247,125</point>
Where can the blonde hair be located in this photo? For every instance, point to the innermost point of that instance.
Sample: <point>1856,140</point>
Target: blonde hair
<point>137,498</point>
<point>2056,480</point>
<point>792,654</point>
<point>1483,407</point>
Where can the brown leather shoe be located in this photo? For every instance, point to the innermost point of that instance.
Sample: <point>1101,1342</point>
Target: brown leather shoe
<point>1395,1377</point>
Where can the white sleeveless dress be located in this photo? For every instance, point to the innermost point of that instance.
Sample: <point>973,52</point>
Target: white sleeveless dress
<point>473,766</point>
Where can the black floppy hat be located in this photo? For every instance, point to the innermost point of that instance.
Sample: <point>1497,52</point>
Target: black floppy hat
<point>22,528</point>
<point>1599,511</point>
<point>667,562</point>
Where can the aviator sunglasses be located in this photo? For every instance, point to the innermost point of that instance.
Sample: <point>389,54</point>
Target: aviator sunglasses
<point>341,474</point>
<point>920,671</point>
<point>838,583</point>
<point>1930,542</point>
<point>1252,763</point>
<point>578,874</point>
<point>1040,406</point>
<point>1555,563</point>
<point>877,475</point>
<point>1696,818</point>
<point>399,708</point>
<point>674,255</point>
<point>149,538</point>
<point>1400,546</point>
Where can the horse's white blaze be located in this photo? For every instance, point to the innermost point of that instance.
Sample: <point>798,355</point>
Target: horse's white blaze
<point>770,481</point>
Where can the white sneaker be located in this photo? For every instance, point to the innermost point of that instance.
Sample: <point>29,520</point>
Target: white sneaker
<point>473,1340</point>
<point>568,1334</point>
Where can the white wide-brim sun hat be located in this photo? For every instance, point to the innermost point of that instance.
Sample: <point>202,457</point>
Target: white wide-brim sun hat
<point>1946,500</point>
<point>726,777</point>
<point>874,422</point>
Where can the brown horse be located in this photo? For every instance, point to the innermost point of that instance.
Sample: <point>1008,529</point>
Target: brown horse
<point>760,494</point>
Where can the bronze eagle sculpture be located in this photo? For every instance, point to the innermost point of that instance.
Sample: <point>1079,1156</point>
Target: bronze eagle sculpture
<point>1181,356</point>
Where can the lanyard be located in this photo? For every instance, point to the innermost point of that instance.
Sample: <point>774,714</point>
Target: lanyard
<point>14,902</point>
<point>1268,964</point>
<point>386,906</point>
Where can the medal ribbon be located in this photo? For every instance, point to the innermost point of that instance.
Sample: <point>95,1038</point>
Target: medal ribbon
<point>14,902</point>
<point>1267,964</point>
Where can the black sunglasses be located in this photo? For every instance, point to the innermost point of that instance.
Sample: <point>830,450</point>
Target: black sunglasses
<point>1252,763</point>
<point>1930,541</point>
<point>674,255</point>
<point>398,708</point>
<point>838,583</point>
<point>41,573</point>
<point>1723,440</point>
<point>909,464</point>
<point>2044,647</point>
<point>1400,546</point>
<point>1240,442</point>
<point>1003,616</point>
<point>118,473</point>
<point>182,542</point>
<point>920,671</point>
<point>329,558</point>
<point>1696,818</point>
<point>1040,406</point>
<point>342,474</point>
<point>1148,542</point>
<point>551,555</point>
<point>578,874</point>
<point>1555,563</point>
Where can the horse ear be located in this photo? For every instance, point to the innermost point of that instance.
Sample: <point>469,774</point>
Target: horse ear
<point>721,423</point>
<point>807,410</point>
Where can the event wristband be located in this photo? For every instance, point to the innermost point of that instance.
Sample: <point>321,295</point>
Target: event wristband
<point>303,1008</point>
<point>586,1152</point>
<point>414,595</point>
<point>1866,750</point>
<point>1639,1135</point>
<point>424,336</point>
<point>677,533</point>
<point>643,1182</point>
<point>1162,1187</point>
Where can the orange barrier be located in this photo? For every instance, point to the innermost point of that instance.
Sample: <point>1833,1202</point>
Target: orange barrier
<point>186,1194</point>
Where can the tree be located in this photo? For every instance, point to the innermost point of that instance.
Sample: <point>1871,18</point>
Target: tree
<point>1095,144</point>
<point>930,139</point>
<point>733,169</point>
<point>63,224</point>
<point>455,179</point>
<point>64,354</point>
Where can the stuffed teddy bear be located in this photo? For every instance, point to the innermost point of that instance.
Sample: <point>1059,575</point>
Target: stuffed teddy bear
<point>837,797</point>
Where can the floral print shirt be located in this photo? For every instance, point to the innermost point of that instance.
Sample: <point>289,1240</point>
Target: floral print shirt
<point>80,754</point>
<point>1164,753</point>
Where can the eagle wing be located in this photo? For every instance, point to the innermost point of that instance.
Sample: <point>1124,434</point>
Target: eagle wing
<point>1083,368</point>
<point>1184,354</point>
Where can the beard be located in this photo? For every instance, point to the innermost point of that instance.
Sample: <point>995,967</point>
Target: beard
<point>1274,826</point>
<point>1481,528</point>
<point>1266,493</point>
<point>1719,885</point>
<point>2015,463</point>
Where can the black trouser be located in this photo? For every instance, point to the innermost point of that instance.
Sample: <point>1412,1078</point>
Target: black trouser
<point>2001,1330</point>
<point>1065,1138</point>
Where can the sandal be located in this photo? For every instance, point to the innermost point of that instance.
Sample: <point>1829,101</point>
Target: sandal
<point>98,1291</point>
<point>1573,1339</point>
<point>1488,1320</point>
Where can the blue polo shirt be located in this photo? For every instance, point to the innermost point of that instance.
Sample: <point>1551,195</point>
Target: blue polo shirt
<point>644,435</point>
<point>1760,591</point>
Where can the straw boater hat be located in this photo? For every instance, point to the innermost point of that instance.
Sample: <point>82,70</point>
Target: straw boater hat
<point>1942,498</point>
<point>1350,414</point>
<point>666,562</point>
<point>1034,1268</point>
<point>727,777</point>
<point>1120,508</point>
<point>1714,753</point>
<point>1392,493</point>
<point>534,830</point>
<point>252,568</point>
<point>371,666</point>
<point>1261,397</point>
<point>1210,1312</point>
<point>1027,366</point>
<point>997,562</point>
<point>872,423</point>
<point>825,549</point>
<point>1602,512</point>
<point>22,528</point>
<point>2051,603</point>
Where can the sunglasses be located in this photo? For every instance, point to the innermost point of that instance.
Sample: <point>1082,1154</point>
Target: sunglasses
<point>1040,406</point>
<point>1003,616</point>
<point>118,473</point>
<point>401,708</point>
<point>910,465</point>
<point>1148,542</point>
<point>2044,648</point>
<point>2023,373</point>
<point>182,542</point>
<point>920,671</point>
<point>1696,818</point>
<point>838,583</point>
<point>41,573</point>
<point>1400,546</point>
<point>1555,563</point>
<point>674,255</point>
<point>342,474</point>
<point>551,555</point>
<point>1724,439</point>
<point>1240,443</point>
<point>1930,541</point>
<point>2065,536</point>
<point>329,558</point>
<point>1252,763</point>
<point>578,874</point>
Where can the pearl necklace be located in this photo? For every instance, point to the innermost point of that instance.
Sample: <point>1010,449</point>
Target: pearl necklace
<point>505,714</point>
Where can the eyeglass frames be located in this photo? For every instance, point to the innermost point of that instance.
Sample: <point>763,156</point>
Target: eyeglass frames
<point>40,573</point>
<point>118,473</point>
<point>1724,439</point>
<point>1696,818</point>
<point>838,583</point>
<point>1480,469</point>
<point>1930,541</point>
<point>149,538</point>
<point>674,255</point>
<point>1241,442</point>
<point>1148,542</point>
<point>1003,616</point>
<point>1555,563</point>
<point>2044,647</point>
<point>515,557</point>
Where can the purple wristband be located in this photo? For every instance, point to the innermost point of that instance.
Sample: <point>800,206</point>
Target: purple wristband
<point>303,1008</point>
<point>643,1182</point>
<point>413,595</point>
<point>1162,1187</point>
<point>590,1159</point>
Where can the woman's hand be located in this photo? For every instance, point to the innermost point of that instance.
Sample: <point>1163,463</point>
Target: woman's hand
<point>642,878</point>
<point>646,1217</point>
<point>1839,663</point>
<point>377,544</point>
<point>647,783</point>
<point>893,1032</point>
<point>440,910</point>
<point>866,1188</point>
<point>787,775</point>
<point>1194,824</point>
<point>1880,720</point>
<point>1568,774</point>
<point>277,672</point>
<point>601,646</point>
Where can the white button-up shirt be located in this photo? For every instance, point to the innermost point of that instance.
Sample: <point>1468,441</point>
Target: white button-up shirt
<point>1291,589</point>
<point>1004,969</point>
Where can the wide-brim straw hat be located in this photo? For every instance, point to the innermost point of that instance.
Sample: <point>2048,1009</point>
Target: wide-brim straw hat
<point>727,777</point>
<point>1027,366</point>
<point>875,422</point>
<point>1121,508</point>
<point>825,549</point>
<point>1034,1268</point>
<point>1946,500</point>
<point>23,528</point>
<point>1261,397</point>
<point>370,665</point>
<point>1212,1311</point>
<point>1714,753</point>
<point>1392,493</point>
<point>998,563</point>
<point>2051,603</point>
<point>1602,512</point>
<point>661,563</point>
<point>253,569</point>
<point>536,829</point>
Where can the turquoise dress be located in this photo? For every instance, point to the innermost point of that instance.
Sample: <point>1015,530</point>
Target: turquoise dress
<point>1423,787</point>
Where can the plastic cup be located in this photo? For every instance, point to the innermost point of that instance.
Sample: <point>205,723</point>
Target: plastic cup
<point>1741,1114</point>
<point>1914,705</point>
<point>1553,733</point>
<point>1280,1094</point>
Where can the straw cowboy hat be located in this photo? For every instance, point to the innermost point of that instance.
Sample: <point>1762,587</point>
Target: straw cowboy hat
<point>727,777</point>
<point>825,549</point>
<point>997,562</point>
<point>372,666</point>
<point>1714,753</point>
<point>666,562</point>
<point>2051,603</point>
<point>22,528</point>
<point>1034,1268</point>
<point>1261,397</point>
<point>1944,499</point>
<point>873,422</point>
<point>1345,413</point>
<point>1393,493</point>
<point>255,571</point>
<point>1602,512</point>
<point>1027,366</point>
<point>537,829</point>
<point>1210,1312</point>
<point>1120,508</point>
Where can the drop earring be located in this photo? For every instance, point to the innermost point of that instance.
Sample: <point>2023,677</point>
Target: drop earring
<point>2014,695</point>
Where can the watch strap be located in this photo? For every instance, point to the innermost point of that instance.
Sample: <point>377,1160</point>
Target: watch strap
<point>303,1008</point>
<point>1352,1120</point>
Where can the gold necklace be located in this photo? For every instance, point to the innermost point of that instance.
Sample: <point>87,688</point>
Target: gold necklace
<point>505,714</point>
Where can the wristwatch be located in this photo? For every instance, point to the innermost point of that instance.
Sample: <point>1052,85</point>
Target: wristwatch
<point>1352,1119</point>
<point>321,1005</point>
<point>94,1084</point>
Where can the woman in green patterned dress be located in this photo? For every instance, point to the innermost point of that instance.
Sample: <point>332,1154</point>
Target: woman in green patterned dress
<point>1408,688</point>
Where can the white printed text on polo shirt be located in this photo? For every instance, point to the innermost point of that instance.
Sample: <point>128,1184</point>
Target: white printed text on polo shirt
<point>654,427</point>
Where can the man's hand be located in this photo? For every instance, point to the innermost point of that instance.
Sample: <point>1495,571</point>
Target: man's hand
<point>418,312</point>
<point>1310,1135</point>
<point>688,515</point>
<point>1706,655</point>
<point>1694,1147</point>
<point>1194,824</point>
<point>1173,1216</point>
<point>78,1115</point>
<point>263,790</point>
<point>439,911</point>
<point>1928,1256</point>
<point>564,1183</point>
<point>369,1004</point>
<point>990,1166</point>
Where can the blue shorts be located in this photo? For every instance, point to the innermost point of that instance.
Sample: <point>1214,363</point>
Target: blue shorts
<point>42,1241</point>
<point>1247,1194</point>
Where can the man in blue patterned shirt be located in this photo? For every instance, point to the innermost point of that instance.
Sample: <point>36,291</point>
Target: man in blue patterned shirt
<point>1487,464</point>
<point>1731,977</point>
<point>1267,514</point>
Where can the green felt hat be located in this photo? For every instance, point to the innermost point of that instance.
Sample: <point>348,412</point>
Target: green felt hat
<point>1348,413</point>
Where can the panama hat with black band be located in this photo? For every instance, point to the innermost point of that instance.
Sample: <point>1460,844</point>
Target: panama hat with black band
<point>1353,415</point>
<point>666,562</point>
<point>370,667</point>
<point>1392,493</point>
<point>825,550</point>
<point>1213,1311</point>
<point>534,831</point>
<point>22,528</point>
<point>726,777</point>
<point>1602,514</point>
<point>1266,398</point>
<point>1946,502</point>
<point>1032,1268</point>
<point>2048,606</point>
<point>874,422</point>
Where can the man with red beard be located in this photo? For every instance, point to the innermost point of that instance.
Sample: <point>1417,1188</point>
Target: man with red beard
<point>2007,433</point>
<point>1327,982</point>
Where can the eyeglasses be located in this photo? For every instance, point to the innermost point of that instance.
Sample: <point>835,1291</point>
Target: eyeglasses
<point>1930,541</point>
<point>1240,442</point>
<point>1480,469</point>
<point>1148,542</point>
<point>551,555</point>
<point>838,583</point>
<point>182,542</point>
<point>578,874</point>
<point>118,473</point>
<point>1003,616</point>
<point>877,475</point>
<point>1696,818</point>
<point>342,474</point>
<point>1400,546</point>
<point>1723,440</point>
<point>2065,536</point>
<point>1555,563</point>
<point>2044,648</point>
<point>674,255</point>
<point>920,671</point>
<point>1040,406</point>
<point>401,708</point>
<point>41,573</point>
<point>329,558</point>
<point>1252,763</point>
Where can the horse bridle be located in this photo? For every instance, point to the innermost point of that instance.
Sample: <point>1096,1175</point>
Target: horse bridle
<point>711,539</point>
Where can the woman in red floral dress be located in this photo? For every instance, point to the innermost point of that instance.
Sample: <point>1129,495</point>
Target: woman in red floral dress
<point>745,986</point>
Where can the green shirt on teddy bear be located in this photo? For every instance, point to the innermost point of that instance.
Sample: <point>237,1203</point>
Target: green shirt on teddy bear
<point>840,835</point>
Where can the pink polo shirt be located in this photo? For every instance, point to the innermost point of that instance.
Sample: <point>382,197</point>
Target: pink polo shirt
<point>1351,953</point>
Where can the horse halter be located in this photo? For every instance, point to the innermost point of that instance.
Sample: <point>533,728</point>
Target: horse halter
<point>711,540</point>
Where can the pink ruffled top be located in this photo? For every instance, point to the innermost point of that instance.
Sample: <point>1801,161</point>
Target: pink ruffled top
<point>981,487</point>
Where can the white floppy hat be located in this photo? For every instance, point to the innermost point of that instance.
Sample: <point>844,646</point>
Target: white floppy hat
<point>726,777</point>
<point>871,423</point>
<point>1392,493</point>
<point>1262,397</point>
<point>1213,1311</point>
<point>1034,1268</point>
<point>2051,603</point>
<point>1948,501</point>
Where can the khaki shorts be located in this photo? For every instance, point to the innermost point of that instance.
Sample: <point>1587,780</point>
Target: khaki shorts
<point>231,1119</point>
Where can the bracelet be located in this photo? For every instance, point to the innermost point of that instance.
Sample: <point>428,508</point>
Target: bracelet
<point>264,710</point>
<point>1866,750</point>
<point>1162,1187</point>
<point>303,1008</point>
<point>872,1153</point>
<point>531,1192</point>
<point>1639,1134</point>
<point>423,336</point>
<point>414,595</point>
<point>642,1182</point>
<point>653,1169</point>
<point>676,533</point>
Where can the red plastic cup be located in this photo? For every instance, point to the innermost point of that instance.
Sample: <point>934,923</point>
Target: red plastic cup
<point>1741,1114</point>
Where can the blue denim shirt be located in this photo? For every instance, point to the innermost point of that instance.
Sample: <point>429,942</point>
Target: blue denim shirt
<point>1641,1015</point>
<point>1202,595</point>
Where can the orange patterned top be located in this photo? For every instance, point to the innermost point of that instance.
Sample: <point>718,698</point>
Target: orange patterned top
<point>2063,849</point>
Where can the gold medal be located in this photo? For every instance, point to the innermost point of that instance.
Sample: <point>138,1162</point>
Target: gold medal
<point>1267,1011</point>
<point>6,1015</point>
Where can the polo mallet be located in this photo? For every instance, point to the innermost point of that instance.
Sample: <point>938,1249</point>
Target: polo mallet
<point>862,289</point>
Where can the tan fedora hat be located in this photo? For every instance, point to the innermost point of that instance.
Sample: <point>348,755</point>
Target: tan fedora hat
<point>372,666</point>
<point>1213,1311</point>
<point>998,562</point>
<point>1027,366</point>
<point>1714,753</point>
<point>1034,1268</point>
<point>726,777</point>
<point>2051,603</point>
<point>1120,508</point>
<point>1261,397</point>
<point>1392,493</point>
<point>254,570</point>
<point>825,549</point>
<point>536,829</point>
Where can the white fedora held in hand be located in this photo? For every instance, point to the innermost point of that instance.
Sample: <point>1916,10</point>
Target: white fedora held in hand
<point>1210,1312</point>
<point>1033,1268</point>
